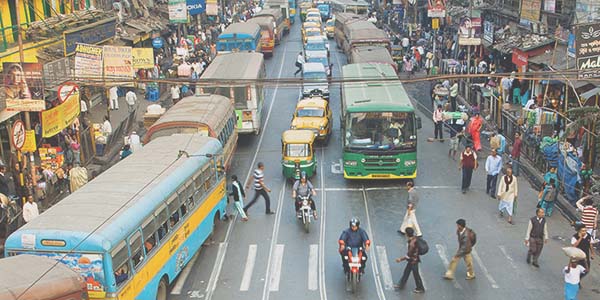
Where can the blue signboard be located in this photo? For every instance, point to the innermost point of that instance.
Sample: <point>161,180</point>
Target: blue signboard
<point>196,7</point>
<point>571,45</point>
<point>93,34</point>
<point>157,43</point>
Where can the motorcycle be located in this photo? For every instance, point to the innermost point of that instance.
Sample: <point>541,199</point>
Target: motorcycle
<point>305,212</point>
<point>355,260</point>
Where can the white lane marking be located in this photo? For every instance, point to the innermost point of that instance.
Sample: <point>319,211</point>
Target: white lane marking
<point>313,264</point>
<point>442,253</point>
<point>276,268</point>
<point>484,269</point>
<point>212,284</point>
<point>510,260</point>
<point>388,188</point>
<point>215,275</point>
<point>273,247</point>
<point>386,272</point>
<point>374,266</point>
<point>250,261</point>
<point>176,290</point>
<point>322,286</point>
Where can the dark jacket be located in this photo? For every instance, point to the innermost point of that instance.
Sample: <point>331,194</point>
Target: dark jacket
<point>413,251</point>
<point>354,239</point>
<point>4,184</point>
<point>236,190</point>
<point>464,243</point>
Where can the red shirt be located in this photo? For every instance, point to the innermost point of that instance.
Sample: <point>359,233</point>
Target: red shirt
<point>516,150</point>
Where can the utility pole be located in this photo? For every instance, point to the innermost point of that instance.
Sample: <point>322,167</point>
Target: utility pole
<point>27,161</point>
<point>468,91</point>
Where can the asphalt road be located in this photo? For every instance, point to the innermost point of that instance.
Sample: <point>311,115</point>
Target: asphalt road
<point>271,257</point>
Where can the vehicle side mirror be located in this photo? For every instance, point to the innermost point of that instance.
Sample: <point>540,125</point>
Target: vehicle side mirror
<point>419,123</point>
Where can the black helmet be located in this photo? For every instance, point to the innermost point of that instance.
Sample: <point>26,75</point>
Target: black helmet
<point>354,222</point>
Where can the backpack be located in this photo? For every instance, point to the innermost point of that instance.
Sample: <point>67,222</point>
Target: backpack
<point>422,246</point>
<point>472,237</point>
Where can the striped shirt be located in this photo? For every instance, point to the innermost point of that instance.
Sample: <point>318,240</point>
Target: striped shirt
<point>258,178</point>
<point>588,216</point>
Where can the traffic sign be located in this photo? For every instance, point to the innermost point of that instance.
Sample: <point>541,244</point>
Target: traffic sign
<point>67,90</point>
<point>18,134</point>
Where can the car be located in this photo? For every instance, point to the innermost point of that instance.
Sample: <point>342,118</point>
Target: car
<point>313,114</point>
<point>312,31</point>
<point>314,19</point>
<point>330,28</point>
<point>319,57</point>
<point>317,75</point>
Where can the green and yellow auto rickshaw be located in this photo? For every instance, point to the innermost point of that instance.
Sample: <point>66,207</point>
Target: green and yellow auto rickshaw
<point>298,153</point>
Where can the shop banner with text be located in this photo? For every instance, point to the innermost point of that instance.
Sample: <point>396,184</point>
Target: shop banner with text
<point>143,58</point>
<point>488,32</point>
<point>29,145</point>
<point>88,61</point>
<point>23,86</point>
<point>60,117</point>
<point>530,11</point>
<point>587,45</point>
<point>436,8</point>
<point>212,9</point>
<point>196,7</point>
<point>118,63</point>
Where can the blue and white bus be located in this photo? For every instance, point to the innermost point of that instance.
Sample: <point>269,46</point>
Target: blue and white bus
<point>130,231</point>
<point>239,37</point>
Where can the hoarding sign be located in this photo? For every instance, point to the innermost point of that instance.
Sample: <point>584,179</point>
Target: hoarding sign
<point>23,86</point>
<point>436,8</point>
<point>178,11</point>
<point>195,7</point>
<point>469,32</point>
<point>117,62</point>
<point>60,117</point>
<point>88,61</point>
<point>143,58</point>
<point>530,11</point>
<point>488,32</point>
<point>57,72</point>
<point>587,45</point>
<point>94,33</point>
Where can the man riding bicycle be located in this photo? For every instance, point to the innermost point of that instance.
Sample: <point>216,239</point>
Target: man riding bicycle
<point>304,188</point>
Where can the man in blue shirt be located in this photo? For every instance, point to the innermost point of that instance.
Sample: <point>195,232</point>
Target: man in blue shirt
<point>502,142</point>
<point>354,237</point>
<point>493,166</point>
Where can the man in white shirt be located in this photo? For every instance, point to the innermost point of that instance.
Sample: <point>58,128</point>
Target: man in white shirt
<point>30,210</point>
<point>113,97</point>
<point>299,63</point>
<point>573,273</point>
<point>506,83</point>
<point>131,99</point>
<point>175,93</point>
<point>405,44</point>
<point>106,127</point>
<point>134,141</point>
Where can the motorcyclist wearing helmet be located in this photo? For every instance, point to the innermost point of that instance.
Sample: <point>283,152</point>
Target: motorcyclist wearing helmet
<point>303,187</point>
<point>354,237</point>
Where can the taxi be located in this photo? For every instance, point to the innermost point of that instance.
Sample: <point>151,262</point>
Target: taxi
<point>311,31</point>
<point>330,28</point>
<point>314,114</point>
<point>314,19</point>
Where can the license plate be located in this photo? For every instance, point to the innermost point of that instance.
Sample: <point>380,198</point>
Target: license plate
<point>381,175</point>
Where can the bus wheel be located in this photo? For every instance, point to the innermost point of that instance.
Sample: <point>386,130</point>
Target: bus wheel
<point>161,292</point>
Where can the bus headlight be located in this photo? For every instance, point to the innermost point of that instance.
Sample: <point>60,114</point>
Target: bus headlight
<point>409,163</point>
<point>351,163</point>
<point>322,128</point>
<point>397,160</point>
<point>363,160</point>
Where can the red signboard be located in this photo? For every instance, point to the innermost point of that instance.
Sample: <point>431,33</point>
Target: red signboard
<point>519,58</point>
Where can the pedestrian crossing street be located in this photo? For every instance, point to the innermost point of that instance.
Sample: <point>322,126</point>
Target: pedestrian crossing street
<point>439,254</point>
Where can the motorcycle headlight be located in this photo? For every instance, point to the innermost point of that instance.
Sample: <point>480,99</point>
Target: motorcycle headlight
<point>409,163</point>
<point>305,202</point>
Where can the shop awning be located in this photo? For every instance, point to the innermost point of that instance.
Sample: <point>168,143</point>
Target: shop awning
<point>6,114</point>
<point>591,93</point>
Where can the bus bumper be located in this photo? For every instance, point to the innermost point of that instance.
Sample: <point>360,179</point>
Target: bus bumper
<point>379,176</point>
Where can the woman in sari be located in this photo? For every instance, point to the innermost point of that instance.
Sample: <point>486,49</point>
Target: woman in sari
<point>475,130</point>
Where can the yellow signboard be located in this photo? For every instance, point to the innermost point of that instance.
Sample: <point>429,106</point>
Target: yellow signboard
<point>58,118</point>
<point>143,58</point>
<point>30,143</point>
<point>435,23</point>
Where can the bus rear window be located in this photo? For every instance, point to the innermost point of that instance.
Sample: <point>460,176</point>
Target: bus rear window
<point>240,96</point>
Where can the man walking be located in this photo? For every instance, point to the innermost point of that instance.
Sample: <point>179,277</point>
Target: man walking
<point>453,94</point>
<point>113,96</point>
<point>493,166</point>
<point>589,213</point>
<point>468,162</point>
<point>131,100</point>
<point>515,154</point>
<point>438,120</point>
<point>456,134</point>
<point>536,236</point>
<point>502,140</point>
<point>260,189</point>
<point>299,63</point>
<point>412,263</point>
<point>508,191</point>
<point>238,196</point>
<point>30,210</point>
<point>466,239</point>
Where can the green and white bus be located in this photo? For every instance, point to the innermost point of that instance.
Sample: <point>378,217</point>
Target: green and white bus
<point>379,124</point>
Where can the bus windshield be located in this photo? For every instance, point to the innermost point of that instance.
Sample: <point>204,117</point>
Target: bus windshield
<point>296,150</point>
<point>380,130</point>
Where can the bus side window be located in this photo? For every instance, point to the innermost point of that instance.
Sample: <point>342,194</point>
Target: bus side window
<point>149,231</point>
<point>135,247</point>
<point>119,262</point>
<point>162,217</point>
<point>173,204</point>
<point>199,186</point>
